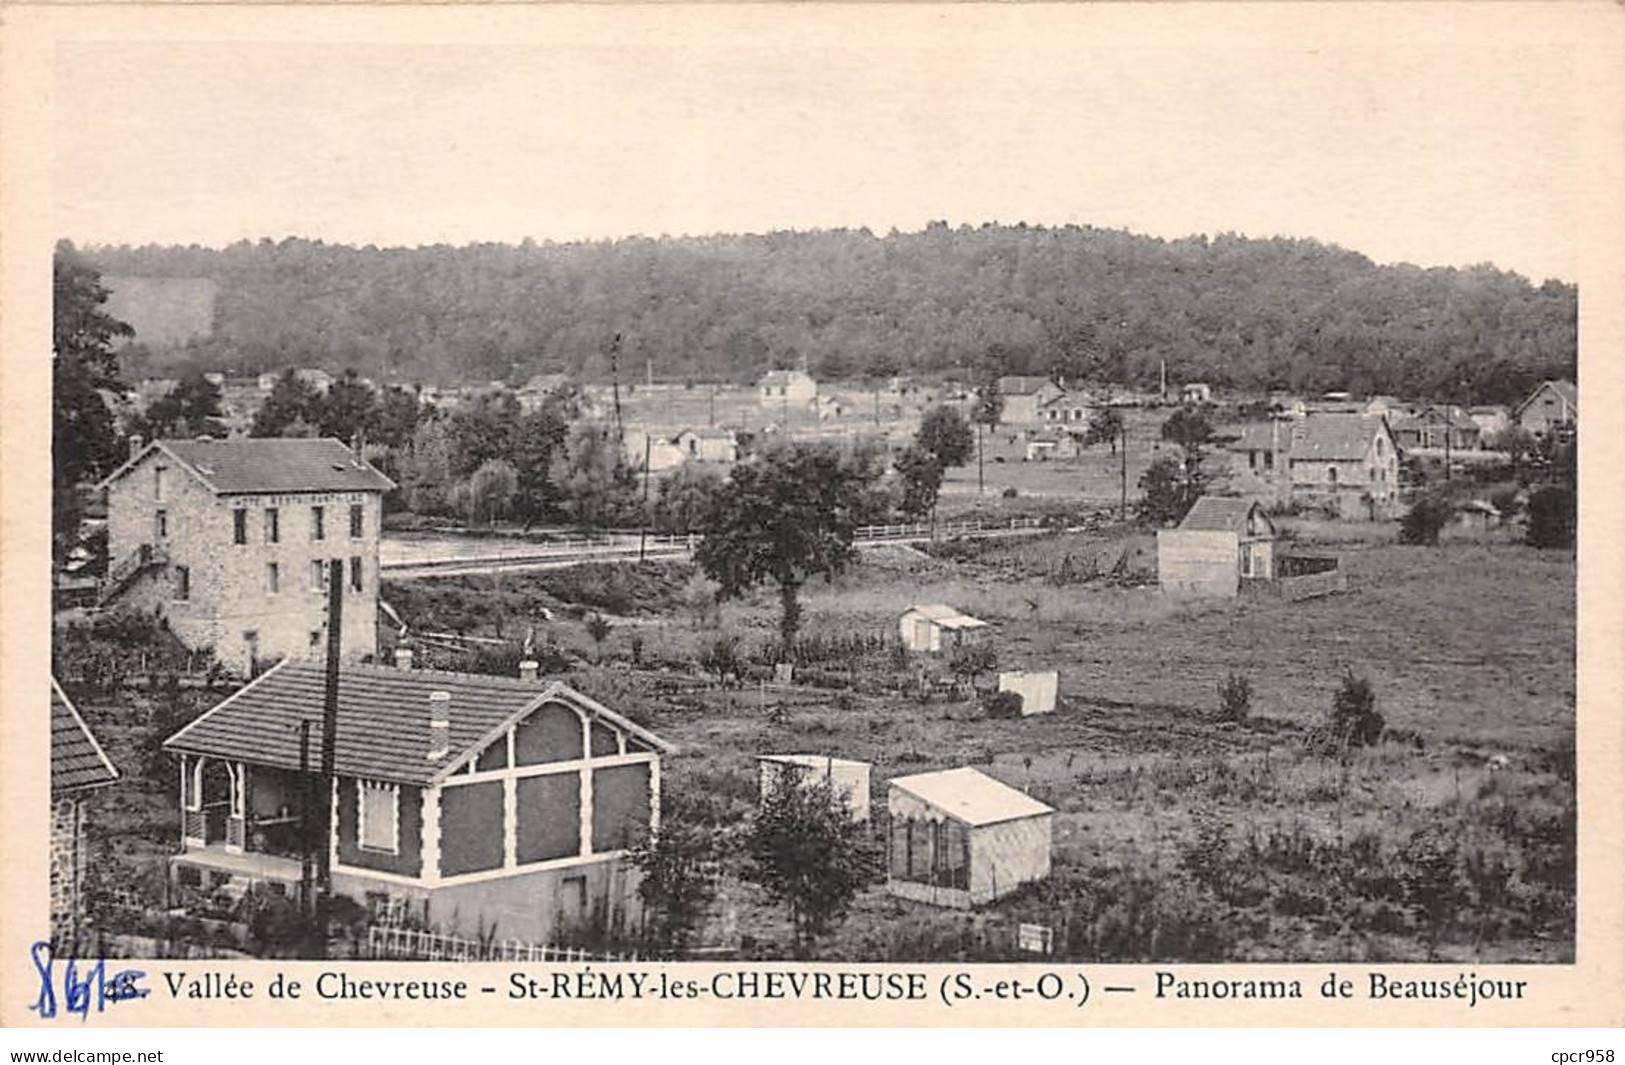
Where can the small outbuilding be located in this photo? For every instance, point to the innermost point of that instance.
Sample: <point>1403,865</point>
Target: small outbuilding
<point>1036,688</point>
<point>960,838</point>
<point>1220,542</point>
<point>848,779</point>
<point>934,627</point>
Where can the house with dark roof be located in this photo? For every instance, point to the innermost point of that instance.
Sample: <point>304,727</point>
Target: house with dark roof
<point>1437,426</point>
<point>230,541</point>
<point>1553,408</point>
<point>1221,543</point>
<point>1344,463</point>
<point>79,767</point>
<point>483,802</point>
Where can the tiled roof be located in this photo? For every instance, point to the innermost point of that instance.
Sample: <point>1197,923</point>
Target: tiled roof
<point>272,464</point>
<point>1260,436</point>
<point>383,723</point>
<point>1331,437</point>
<point>783,377</point>
<point>971,796</point>
<point>77,760</point>
<point>709,432</point>
<point>1217,514</point>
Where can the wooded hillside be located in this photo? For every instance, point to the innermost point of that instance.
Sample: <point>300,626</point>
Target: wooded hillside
<point>1107,305</point>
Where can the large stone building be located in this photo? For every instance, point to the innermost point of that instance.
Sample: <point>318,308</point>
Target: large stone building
<point>229,541</point>
<point>1346,464</point>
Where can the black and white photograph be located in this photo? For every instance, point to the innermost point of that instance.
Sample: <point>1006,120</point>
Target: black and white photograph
<point>856,484</point>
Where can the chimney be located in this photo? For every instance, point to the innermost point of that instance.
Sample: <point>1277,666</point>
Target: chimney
<point>439,725</point>
<point>530,669</point>
<point>403,658</point>
<point>136,444</point>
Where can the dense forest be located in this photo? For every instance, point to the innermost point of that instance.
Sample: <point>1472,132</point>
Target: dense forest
<point>1100,305</point>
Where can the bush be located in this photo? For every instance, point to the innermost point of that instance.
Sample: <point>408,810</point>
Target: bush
<point>722,658</point>
<point>1002,705</point>
<point>1551,518</point>
<point>1235,698</point>
<point>1354,720</point>
<point>1423,522</point>
<point>1010,493</point>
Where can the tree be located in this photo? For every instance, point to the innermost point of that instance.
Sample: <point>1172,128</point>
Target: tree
<point>425,468</point>
<point>1425,519</point>
<point>349,406</point>
<point>487,493</point>
<point>1235,698</point>
<point>191,408</point>
<point>395,418</point>
<point>484,430</point>
<point>598,628</point>
<point>676,886</point>
<point>920,474</point>
<point>1354,720</point>
<point>721,656</point>
<point>1162,500</point>
<point>292,400</point>
<point>684,498</point>
<point>946,436</point>
<point>1105,427</point>
<point>970,661</point>
<point>597,486</point>
<point>1552,518</point>
<point>538,441</point>
<point>808,853</point>
<point>784,517</point>
<point>84,445</point>
<point>1191,431</point>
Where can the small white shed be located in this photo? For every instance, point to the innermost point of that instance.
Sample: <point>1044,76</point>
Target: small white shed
<point>935,626</point>
<point>960,838</point>
<point>1037,689</point>
<point>848,779</point>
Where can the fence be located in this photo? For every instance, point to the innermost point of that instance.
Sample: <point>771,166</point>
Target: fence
<point>418,944</point>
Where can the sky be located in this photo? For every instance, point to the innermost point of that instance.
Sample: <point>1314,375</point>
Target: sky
<point>1405,136</point>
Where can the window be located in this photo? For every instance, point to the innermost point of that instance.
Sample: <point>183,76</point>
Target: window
<point>377,811</point>
<point>273,528</point>
<point>239,526</point>
<point>160,524</point>
<point>355,573</point>
<point>158,481</point>
<point>315,637</point>
<point>1331,474</point>
<point>318,523</point>
<point>183,582</point>
<point>273,578</point>
<point>357,520</point>
<point>318,575</point>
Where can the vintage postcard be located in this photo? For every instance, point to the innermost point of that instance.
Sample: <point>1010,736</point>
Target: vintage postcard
<point>836,515</point>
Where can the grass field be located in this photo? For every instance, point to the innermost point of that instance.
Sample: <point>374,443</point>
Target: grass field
<point>1177,836</point>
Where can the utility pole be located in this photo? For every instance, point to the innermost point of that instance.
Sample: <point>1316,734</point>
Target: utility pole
<point>615,382</point>
<point>307,827</point>
<point>1122,451</point>
<point>979,428</point>
<point>713,404</point>
<point>330,730</point>
<point>643,530</point>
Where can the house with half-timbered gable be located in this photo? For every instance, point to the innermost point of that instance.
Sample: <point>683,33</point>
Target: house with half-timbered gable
<point>481,802</point>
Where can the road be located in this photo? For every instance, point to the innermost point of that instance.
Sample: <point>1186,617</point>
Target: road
<point>403,556</point>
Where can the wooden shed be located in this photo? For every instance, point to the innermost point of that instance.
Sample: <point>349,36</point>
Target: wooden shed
<point>1220,542</point>
<point>1037,689</point>
<point>960,838</point>
<point>935,626</point>
<point>848,779</point>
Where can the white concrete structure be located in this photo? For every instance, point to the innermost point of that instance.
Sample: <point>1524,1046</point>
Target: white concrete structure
<point>848,779</point>
<point>931,627</point>
<point>1037,689</point>
<point>960,838</point>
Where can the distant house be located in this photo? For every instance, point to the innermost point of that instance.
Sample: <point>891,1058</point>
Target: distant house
<point>1024,397</point>
<point>1220,542</point>
<point>493,804</point>
<point>228,541</point>
<point>1436,426</point>
<point>709,444</point>
<point>1553,409</point>
<point>1048,444</point>
<point>1347,464</point>
<point>932,627</point>
<point>79,766</point>
<point>959,838</point>
<point>1389,407</point>
<point>782,388</point>
<point>1478,515</point>
<point>829,408</point>
<point>318,379</point>
<point>1260,451</point>
<point>638,445</point>
<point>1066,408</point>
<point>536,391</point>
<point>1196,392</point>
<point>1492,421</point>
<point>847,779</point>
<point>1289,403</point>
